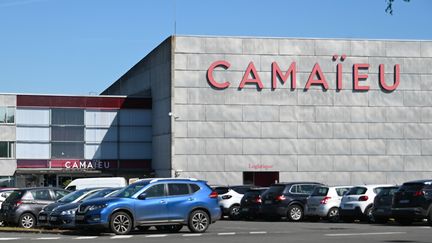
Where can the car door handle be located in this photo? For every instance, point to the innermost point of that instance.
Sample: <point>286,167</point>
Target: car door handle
<point>163,202</point>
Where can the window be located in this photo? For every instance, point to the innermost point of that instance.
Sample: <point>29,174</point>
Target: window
<point>41,195</point>
<point>70,150</point>
<point>178,189</point>
<point>67,117</point>
<point>302,189</point>
<point>342,191</point>
<point>194,188</point>
<point>357,191</point>
<point>60,193</point>
<point>7,115</point>
<point>7,149</point>
<point>67,133</point>
<point>241,189</point>
<point>320,191</point>
<point>156,191</point>
<point>221,190</point>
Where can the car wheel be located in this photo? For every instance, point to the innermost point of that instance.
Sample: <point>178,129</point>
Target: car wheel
<point>333,215</point>
<point>27,221</point>
<point>404,221</point>
<point>199,221</point>
<point>121,223</point>
<point>169,228</point>
<point>295,213</point>
<point>368,216</point>
<point>234,212</point>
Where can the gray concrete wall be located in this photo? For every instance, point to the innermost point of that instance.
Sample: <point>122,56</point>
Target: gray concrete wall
<point>151,77</point>
<point>8,134</point>
<point>336,137</point>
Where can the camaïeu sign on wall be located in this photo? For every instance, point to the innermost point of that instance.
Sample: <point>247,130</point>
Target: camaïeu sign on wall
<point>280,75</point>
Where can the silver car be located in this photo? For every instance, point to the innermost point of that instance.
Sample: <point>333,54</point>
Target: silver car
<point>324,202</point>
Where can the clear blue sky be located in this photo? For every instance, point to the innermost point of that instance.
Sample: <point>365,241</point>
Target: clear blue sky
<point>82,46</point>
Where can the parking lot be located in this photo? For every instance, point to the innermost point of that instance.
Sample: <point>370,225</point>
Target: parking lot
<point>256,231</point>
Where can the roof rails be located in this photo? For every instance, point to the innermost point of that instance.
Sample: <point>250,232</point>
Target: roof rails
<point>159,179</point>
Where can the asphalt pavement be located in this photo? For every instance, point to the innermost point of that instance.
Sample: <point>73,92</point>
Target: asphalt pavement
<point>251,232</point>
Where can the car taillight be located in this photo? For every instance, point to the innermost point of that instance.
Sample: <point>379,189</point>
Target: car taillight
<point>226,197</point>
<point>213,194</point>
<point>325,200</point>
<point>258,199</point>
<point>363,198</point>
<point>18,203</point>
<point>418,193</point>
<point>280,198</point>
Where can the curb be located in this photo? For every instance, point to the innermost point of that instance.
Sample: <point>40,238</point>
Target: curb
<point>34,231</point>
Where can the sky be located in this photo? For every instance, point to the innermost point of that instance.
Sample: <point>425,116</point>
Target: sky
<point>81,47</point>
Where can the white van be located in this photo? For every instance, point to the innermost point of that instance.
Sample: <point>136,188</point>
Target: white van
<point>84,183</point>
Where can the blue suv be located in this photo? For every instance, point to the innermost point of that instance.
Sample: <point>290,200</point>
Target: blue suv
<point>168,204</point>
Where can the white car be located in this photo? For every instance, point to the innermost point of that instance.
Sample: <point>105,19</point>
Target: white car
<point>324,202</point>
<point>229,199</point>
<point>358,201</point>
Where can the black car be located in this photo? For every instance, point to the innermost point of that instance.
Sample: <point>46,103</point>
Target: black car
<point>63,216</point>
<point>287,200</point>
<point>413,201</point>
<point>250,205</point>
<point>381,210</point>
<point>73,197</point>
<point>23,205</point>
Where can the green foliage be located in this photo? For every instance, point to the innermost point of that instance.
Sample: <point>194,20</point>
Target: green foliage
<point>389,8</point>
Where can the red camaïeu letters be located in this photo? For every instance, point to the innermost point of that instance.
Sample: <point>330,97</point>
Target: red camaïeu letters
<point>316,77</point>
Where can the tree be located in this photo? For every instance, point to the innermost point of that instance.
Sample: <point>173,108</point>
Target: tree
<point>389,8</point>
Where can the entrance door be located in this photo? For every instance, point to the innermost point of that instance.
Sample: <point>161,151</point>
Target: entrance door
<point>260,178</point>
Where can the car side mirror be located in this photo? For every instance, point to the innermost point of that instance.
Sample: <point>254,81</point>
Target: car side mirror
<point>142,196</point>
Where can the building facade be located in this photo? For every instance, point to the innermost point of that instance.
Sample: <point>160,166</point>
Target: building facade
<point>47,140</point>
<point>235,110</point>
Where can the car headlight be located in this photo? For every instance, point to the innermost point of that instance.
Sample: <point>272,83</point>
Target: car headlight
<point>69,212</point>
<point>96,207</point>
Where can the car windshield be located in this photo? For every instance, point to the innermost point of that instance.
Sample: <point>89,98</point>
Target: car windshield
<point>101,193</point>
<point>131,190</point>
<point>388,191</point>
<point>72,196</point>
<point>411,186</point>
<point>357,191</point>
<point>221,190</point>
<point>16,195</point>
<point>320,191</point>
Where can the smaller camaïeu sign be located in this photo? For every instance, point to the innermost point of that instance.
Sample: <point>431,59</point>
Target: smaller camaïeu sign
<point>280,75</point>
<point>84,164</point>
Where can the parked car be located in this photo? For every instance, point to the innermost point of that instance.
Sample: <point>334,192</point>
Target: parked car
<point>168,204</point>
<point>74,197</point>
<point>4,193</point>
<point>287,199</point>
<point>229,199</point>
<point>23,205</point>
<point>250,204</point>
<point>324,202</point>
<point>381,210</point>
<point>413,201</point>
<point>63,216</point>
<point>84,183</point>
<point>358,201</point>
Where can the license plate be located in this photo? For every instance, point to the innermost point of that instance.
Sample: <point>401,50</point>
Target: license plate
<point>245,209</point>
<point>53,218</point>
<point>267,201</point>
<point>42,217</point>
<point>79,217</point>
<point>380,210</point>
<point>404,201</point>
